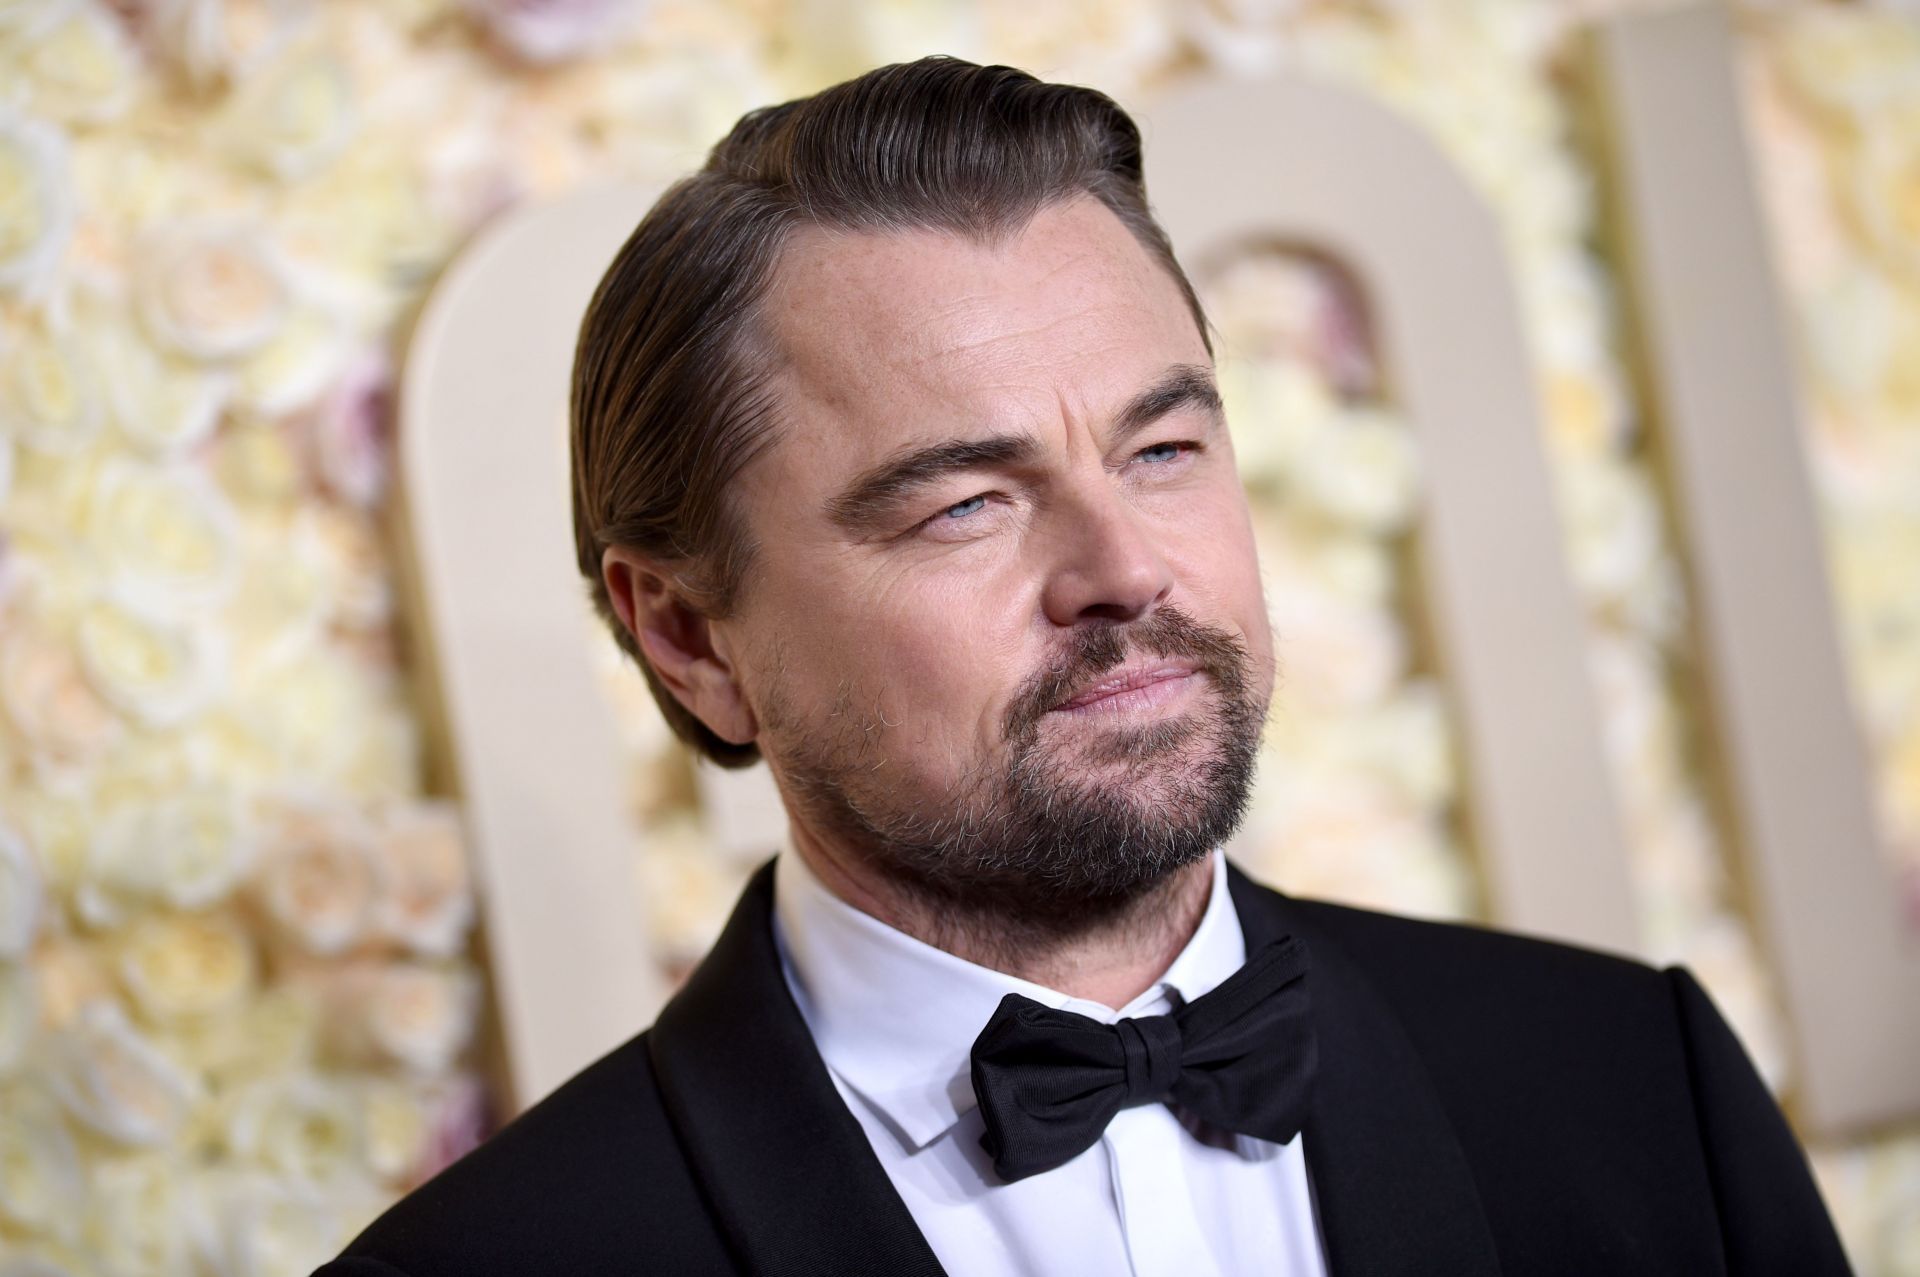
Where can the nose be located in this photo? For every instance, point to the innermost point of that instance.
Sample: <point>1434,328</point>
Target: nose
<point>1107,563</point>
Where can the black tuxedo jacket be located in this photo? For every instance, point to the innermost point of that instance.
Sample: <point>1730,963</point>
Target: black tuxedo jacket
<point>1483,1104</point>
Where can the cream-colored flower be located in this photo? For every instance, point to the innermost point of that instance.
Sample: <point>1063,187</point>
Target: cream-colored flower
<point>1886,190</point>
<point>50,392</point>
<point>52,703</point>
<point>278,614</point>
<point>293,117</point>
<point>305,1127</point>
<point>166,536</point>
<point>181,966</point>
<point>359,572</point>
<point>211,42</point>
<point>1275,408</point>
<point>213,288</point>
<point>318,877</point>
<point>19,1015</point>
<point>302,360</point>
<point>42,1189</point>
<point>421,1016</point>
<point>115,1080</point>
<point>187,849</point>
<point>162,404</point>
<point>1852,64</point>
<point>1114,44</point>
<point>37,207</point>
<point>143,1216</point>
<point>157,671</point>
<point>1613,526</point>
<point>21,895</point>
<point>266,1225</point>
<point>275,1033</point>
<point>1243,36</point>
<point>1361,469</point>
<point>80,68</point>
<point>426,901</point>
<point>394,1129</point>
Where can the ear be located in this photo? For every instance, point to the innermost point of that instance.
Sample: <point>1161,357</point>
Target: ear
<point>679,643</point>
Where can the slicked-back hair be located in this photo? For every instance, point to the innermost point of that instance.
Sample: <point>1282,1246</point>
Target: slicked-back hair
<point>670,397</point>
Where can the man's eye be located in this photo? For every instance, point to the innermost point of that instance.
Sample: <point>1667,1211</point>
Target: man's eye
<point>1160,452</point>
<point>971,505</point>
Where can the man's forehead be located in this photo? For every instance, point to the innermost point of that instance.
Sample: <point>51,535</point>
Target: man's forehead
<point>870,318</point>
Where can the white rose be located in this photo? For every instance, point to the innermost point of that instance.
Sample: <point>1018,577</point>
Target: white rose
<point>293,117</point>
<point>1361,469</point>
<point>143,1217</point>
<point>264,1225</point>
<point>50,701</point>
<point>212,41</point>
<point>19,1015</point>
<point>360,574</point>
<point>1244,36</point>
<point>116,1081</point>
<point>183,966</point>
<point>303,359</point>
<point>304,1127</point>
<point>163,405</point>
<point>50,394</point>
<point>1274,409</point>
<point>212,289</point>
<point>20,895</point>
<point>165,536</point>
<point>419,1016</point>
<point>187,849</point>
<point>80,67</point>
<point>394,1129</point>
<point>1613,526</point>
<point>278,613</point>
<point>41,1189</point>
<point>37,206</point>
<point>317,877</point>
<point>157,671</point>
<point>426,901</point>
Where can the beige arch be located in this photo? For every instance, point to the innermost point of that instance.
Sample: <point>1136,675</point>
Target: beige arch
<point>1794,770</point>
<point>1235,162</point>
<point>521,729</point>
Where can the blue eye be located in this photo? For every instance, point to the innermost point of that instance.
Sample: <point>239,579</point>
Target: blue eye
<point>1160,452</point>
<point>970,506</point>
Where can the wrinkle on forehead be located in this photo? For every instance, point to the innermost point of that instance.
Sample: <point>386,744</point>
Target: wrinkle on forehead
<point>875,320</point>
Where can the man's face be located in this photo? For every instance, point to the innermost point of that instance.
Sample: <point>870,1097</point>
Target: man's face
<point>1004,633</point>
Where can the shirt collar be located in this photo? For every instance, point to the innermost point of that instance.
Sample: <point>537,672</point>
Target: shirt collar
<point>895,1019</point>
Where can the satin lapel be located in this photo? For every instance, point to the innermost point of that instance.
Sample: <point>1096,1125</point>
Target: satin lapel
<point>1391,1185</point>
<point>790,1174</point>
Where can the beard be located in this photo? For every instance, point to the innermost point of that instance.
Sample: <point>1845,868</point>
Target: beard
<point>1060,831</point>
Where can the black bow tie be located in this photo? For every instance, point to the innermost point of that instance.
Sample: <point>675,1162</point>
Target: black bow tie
<point>1241,1057</point>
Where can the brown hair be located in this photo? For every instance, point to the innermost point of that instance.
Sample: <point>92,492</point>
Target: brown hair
<point>669,395</point>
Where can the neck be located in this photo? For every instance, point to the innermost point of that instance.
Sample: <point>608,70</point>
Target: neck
<point>1111,959</point>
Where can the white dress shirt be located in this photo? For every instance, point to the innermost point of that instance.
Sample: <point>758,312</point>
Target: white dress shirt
<point>1161,1194</point>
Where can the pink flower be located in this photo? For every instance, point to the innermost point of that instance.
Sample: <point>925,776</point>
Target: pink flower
<point>350,434</point>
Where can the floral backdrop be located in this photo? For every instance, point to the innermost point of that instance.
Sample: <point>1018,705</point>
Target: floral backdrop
<point>239,993</point>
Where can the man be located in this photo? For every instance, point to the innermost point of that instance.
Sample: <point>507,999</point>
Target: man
<point>898,462</point>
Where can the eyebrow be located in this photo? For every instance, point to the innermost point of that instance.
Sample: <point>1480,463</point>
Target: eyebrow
<point>866,502</point>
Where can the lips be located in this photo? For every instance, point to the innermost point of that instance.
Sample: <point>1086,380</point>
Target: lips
<point>1136,677</point>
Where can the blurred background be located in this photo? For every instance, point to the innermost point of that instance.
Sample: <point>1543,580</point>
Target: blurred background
<point>243,996</point>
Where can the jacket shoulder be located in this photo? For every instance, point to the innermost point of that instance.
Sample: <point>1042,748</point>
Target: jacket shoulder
<point>590,1179</point>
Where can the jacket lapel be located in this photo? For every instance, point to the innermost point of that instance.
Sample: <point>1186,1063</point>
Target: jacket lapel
<point>1392,1189</point>
<point>791,1177</point>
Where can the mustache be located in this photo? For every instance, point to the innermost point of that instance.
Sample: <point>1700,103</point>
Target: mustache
<point>1166,631</point>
